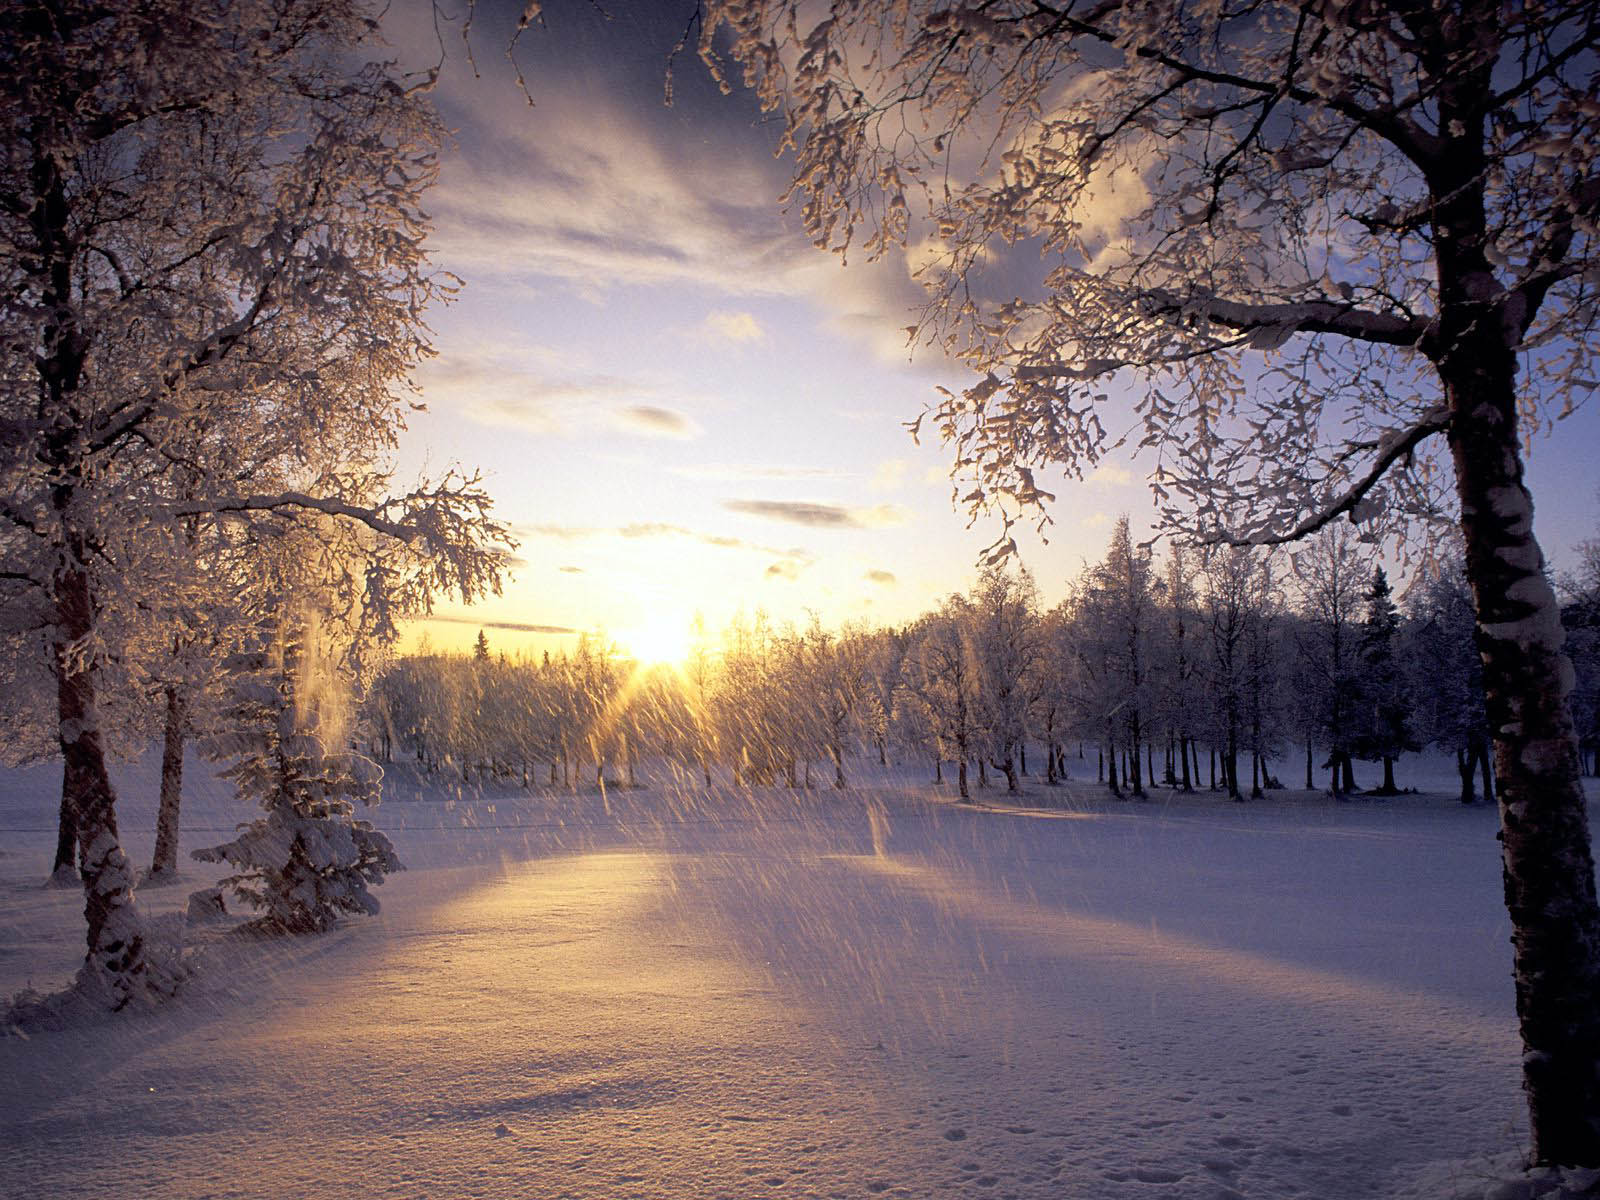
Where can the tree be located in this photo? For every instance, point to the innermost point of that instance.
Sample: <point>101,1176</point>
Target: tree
<point>1384,725</point>
<point>1329,571</point>
<point>941,680</point>
<point>1125,601</point>
<point>1003,610</point>
<point>1448,686</point>
<point>1309,242</point>
<point>308,859</point>
<point>212,241</point>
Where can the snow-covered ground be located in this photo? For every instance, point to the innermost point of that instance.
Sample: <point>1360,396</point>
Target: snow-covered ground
<point>663,993</point>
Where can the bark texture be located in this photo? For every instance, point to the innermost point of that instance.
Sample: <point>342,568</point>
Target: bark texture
<point>165,860</point>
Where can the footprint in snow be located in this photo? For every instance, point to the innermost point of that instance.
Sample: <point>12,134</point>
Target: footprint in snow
<point>955,1135</point>
<point>502,1131</point>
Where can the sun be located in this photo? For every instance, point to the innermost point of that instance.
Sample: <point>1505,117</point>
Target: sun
<point>657,641</point>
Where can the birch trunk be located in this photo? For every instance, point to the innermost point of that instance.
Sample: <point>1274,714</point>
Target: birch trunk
<point>114,964</point>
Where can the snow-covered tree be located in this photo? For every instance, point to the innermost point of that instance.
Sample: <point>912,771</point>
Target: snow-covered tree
<point>1308,244</point>
<point>1006,647</point>
<point>941,680</point>
<point>309,859</point>
<point>1330,572</point>
<point>1446,673</point>
<point>212,234</point>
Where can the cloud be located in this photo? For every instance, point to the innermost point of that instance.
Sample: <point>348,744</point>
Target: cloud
<point>491,385</point>
<point>651,420</point>
<point>736,327</point>
<point>660,529</point>
<point>886,578</point>
<point>1110,474</point>
<point>819,516</point>
<point>599,196</point>
<point>509,626</point>
<point>732,472</point>
<point>786,568</point>
<point>567,533</point>
<point>891,473</point>
<point>570,570</point>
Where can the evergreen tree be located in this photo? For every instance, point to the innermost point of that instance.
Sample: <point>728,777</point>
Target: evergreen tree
<point>308,859</point>
<point>1383,730</point>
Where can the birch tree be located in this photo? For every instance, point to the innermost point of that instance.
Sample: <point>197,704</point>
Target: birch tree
<point>1337,258</point>
<point>210,224</point>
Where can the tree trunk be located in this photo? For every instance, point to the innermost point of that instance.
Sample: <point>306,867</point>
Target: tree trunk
<point>164,863</point>
<point>114,964</point>
<point>1009,767</point>
<point>62,873</point>
<point>1183,756</point>
<point>1389,788</point>
<point>1022,759</point>
<point>1311,783</point>
<point>938,769</point>
<point>837,752</point>
<point>961,778</point>
<point>1465,767</point>
<point>1111,772</point>
<point>1544,834</point>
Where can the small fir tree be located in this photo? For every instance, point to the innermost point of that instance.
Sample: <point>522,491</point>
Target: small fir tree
<point>309,859</point>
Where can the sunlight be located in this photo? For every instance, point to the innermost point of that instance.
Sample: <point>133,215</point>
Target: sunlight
<point>658,641</point>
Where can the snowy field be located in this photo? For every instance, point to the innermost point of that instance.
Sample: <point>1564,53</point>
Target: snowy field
<point>876,993</point>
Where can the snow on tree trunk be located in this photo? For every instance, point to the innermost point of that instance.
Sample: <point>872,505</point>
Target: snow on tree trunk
<point>1548,865</point>
<point>114,966</point>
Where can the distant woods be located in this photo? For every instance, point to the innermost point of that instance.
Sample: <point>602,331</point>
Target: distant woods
<point>1236,671</point>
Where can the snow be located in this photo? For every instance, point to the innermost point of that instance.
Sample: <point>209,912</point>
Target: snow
<point>664,993</point>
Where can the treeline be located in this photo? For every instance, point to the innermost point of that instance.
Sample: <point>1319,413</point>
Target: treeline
<point>1234,669</point>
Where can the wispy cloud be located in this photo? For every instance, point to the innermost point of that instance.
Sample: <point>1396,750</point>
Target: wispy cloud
<point>1112,475</point>
<point>651,420</point>
<point>661,529</point>
<point>787,568</point>
<point>891,473</point>
<point>509,626</point>
<point>884,578</point>
<point>600,197</point>
<point>740,472</point>
<point>736,327</point>
<point>570,570</point>
<point>820,516</point>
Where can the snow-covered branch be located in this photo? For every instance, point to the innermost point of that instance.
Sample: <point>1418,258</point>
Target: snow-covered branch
<point>1391,449</point>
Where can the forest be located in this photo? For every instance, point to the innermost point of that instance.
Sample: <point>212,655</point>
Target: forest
<point>1233,671</point>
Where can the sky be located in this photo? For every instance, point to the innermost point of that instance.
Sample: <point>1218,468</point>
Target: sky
<point>683,409</point>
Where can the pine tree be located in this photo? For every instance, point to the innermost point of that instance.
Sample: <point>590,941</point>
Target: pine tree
<point>1383,725</point>
<point>308,860</point>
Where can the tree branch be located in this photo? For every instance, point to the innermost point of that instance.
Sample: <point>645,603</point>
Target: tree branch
<point>1392,447</point>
